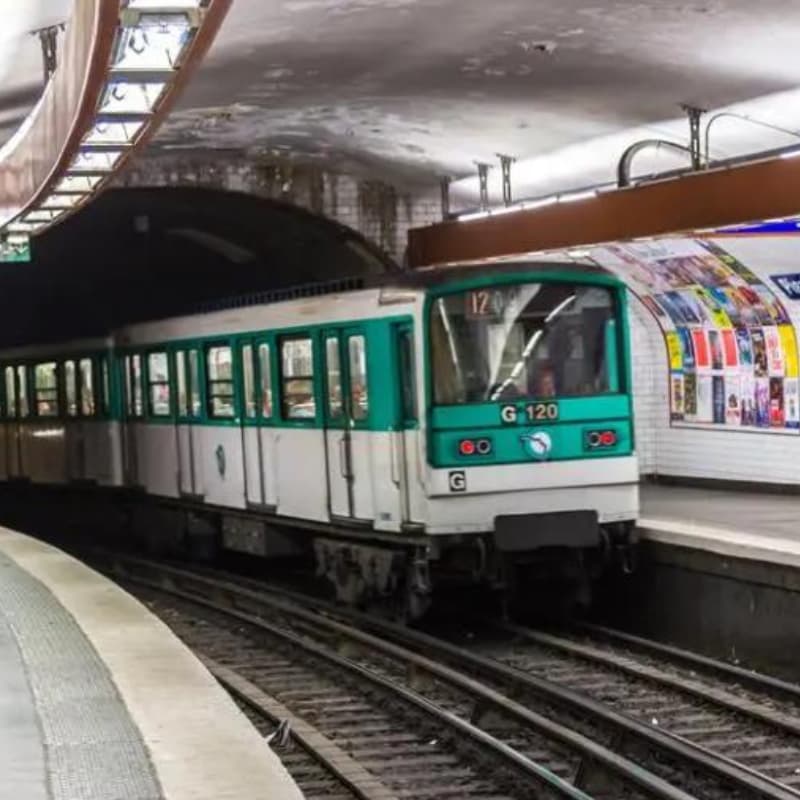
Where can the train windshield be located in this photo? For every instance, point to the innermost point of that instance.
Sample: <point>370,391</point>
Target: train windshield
<point>532,340</point>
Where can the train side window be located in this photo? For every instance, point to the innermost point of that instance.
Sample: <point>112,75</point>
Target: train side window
<point>45,387</point>
<point>158,389</point>
<point>11,393</point>
<point>221,398</point>
<point>70,388</point>
<point>297,379</point>
<point>128,387</point>
<point>408,392</point>
<point>86,372</point>
<point>334,378</point>
<point>265,371</point>
<point>195,403</point>
<point>137,390</point>
<point>22,384</point>
<point>357,365</point>
<point>249,382</point>
<point>106,386</point>
<point>180,381</point>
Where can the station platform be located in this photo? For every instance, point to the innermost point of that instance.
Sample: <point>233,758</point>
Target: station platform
<point>749,525</point>
<point>100,701</point>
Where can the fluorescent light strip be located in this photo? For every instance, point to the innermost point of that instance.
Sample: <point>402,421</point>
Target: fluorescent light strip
<point>152,37</point>
<point>156,43</point>
<point>128,97</point>
<point>42,216</point>
<point>62,200</point>
<point>160,5</point>
<point>88,161</point>
<point>23,227</point>
<point>78,183</point>
<point>114,133</point>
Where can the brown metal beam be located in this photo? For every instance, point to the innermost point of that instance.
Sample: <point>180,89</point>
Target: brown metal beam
<point>708,199</point>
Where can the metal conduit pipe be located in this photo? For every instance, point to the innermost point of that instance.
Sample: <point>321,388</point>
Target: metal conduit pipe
<point>743,118</point>
<point>624,166</point>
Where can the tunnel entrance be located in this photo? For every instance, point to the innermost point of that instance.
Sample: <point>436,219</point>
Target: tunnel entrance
<point>145,253</point>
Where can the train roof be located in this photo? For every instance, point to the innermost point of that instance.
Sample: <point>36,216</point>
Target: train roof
<point>434,277</point>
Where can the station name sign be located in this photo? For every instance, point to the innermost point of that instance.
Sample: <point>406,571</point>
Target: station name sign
<point>788,284</point>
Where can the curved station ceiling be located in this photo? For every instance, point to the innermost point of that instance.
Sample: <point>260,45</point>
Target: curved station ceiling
<point>414,89</point>
<point>411,89</point>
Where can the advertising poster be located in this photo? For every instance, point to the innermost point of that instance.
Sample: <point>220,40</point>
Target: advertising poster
<point>705,399</point>
<point>678,406</point>
<point>748,399</point>
<point>715,346</point>
<point>791,401</point>
<point>687,347</point>
<point>745,347</point>
<point>789,348</point>
<point>760,361</point>
<point>732,348</point>
<point>772,340</point>
<point>733,400</point>
<point>702,354</point>
<point>690,395</point>
<point>675,351</point>
<point>777,416</point>
<point>718,396</point>
<point>762,402</point>
<point>729,349</point>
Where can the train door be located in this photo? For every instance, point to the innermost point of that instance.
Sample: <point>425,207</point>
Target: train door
<point>13,439</point>
<point>5,428</point>
<point>252,456</point>
<point>134,411</point>
<point>189,412</point>
<point>406,435</point>
<point>346,416</point>
<point>259,438</point>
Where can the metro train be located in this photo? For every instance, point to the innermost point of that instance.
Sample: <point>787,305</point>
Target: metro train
<point>469,424</point>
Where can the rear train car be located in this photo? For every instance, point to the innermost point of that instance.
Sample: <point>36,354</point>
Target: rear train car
<point>470,424</point>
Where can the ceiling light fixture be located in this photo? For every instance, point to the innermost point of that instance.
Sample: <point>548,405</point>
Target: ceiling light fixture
<point>153,42</point>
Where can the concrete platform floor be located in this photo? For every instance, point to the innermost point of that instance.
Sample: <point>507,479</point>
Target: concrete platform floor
<point>100,701</point>
<point>771,515</point>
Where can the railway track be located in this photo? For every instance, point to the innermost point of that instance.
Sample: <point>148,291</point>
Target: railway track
<point>520,754</point>
<point>714,709</point>
<point>603,751</point>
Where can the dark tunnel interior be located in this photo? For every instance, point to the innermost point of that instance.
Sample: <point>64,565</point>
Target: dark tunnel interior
<point>148,253</point>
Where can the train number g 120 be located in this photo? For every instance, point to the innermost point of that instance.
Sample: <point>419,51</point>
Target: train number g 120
<point>534,412</point>
<point>541,412</point>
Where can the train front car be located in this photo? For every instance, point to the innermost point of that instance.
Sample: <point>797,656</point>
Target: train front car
<point>531,469</point>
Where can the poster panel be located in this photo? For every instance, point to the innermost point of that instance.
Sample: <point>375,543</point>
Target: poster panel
<point>733,353</point>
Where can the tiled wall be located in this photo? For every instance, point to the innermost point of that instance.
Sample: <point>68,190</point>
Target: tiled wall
<point>724,454</point>
<point>381,212</point>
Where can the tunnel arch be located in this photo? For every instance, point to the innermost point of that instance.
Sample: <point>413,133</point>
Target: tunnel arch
<point>140,253</point>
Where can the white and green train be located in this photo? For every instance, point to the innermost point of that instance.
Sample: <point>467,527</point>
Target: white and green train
<point>452,424</point>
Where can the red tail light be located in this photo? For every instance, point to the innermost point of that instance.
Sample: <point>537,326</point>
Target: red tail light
<point>473,447</point>
<point>597,440</point>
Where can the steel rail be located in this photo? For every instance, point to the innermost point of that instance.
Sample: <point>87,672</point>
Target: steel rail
<point>545,779</point>
<point>348,772</point>
<point>686,685</point>
<point>627,728</point>
<point>775,687</point>
<point>591,752</point>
